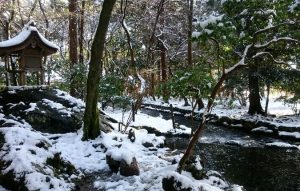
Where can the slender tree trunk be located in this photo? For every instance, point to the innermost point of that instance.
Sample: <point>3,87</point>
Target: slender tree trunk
<point>267,100</point>
<point>81,32</point>
<point>254,96</point>
<point>196,135</point>
<point>163,66</point>
<point>190,29</point>
<point>200,103</point>
<point>152,35</point>
<point>73,53</point>
<point>7,28</point>
<point>91,114</point>
<point>152,85</point>
<point>19,9</point>
<point>32,9</point>
<point>186,102</point>
<point>132,65</point>
<point>46,36</point>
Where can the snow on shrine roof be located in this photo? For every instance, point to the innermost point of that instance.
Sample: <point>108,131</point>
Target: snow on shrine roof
<point>23,35</point>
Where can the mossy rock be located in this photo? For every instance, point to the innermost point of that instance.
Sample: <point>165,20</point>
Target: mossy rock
<point>60,166</point>
<point>192,167</point>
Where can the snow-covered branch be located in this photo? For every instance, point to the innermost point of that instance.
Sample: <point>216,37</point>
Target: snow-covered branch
<point>259,54</point>
<point>268,28</point>
<point>288,39</point>
<point>241,62</point>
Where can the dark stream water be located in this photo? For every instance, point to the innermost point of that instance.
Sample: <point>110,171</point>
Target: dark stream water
<point>242,158</point>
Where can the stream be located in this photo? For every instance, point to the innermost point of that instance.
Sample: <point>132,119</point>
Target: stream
<point>242,158</point>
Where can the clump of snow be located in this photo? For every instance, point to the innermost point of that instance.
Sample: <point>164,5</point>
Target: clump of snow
<point>66,96</point>
<point>32,107</point>
<point>120,154</point>
<point>282,145</point>
<point>289,134</point>
<point>57,106</point>
<point>143,84</point>
<point>266,12</point>
<point>210,20</point>
<point>242,34</point>
<point>2,189</point>
<point>2,64</point>
<point>187,181</point>
<point>293,6</point>
<point>196,34</point>
<point>262,129</point>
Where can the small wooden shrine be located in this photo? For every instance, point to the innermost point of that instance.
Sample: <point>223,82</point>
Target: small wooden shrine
<point>23,55</point>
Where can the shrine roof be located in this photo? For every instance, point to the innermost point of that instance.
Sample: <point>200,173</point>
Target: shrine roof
<point>28,35</point>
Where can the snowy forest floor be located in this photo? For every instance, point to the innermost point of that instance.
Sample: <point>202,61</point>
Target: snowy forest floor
<point>33,158</point>
<point>42,154</point>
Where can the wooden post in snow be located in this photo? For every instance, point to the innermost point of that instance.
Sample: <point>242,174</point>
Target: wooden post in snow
<point>133,112</point>
<point>173,118</point>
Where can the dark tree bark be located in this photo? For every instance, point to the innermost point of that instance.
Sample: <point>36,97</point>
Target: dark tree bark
<point>81,32</point>
<point>254,96</point>
<point>268,96</point>
<point>200,103</point>
<point>73,53</point>
<point>7,28</point>
<point>91,114</point>
<point>190,29</point>
<point>152,35</point>
<point>46,36</point>
<point>163,65</point>
<point>132,65</point>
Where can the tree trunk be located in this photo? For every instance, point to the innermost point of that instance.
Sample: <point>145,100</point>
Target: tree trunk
<point>254,96</point>
<point>190,29</point>
<point>132,65</point>
<point>267,100</point>
<point>81,32</point>
<point>163,66</point>
<point>73,53</point>
<point>91,114</point>
<point>152,35</point>
<point>7,28</point>
<point>216,89</point>
<point>186,102</point>
<point>201,126</point>
<point>46,36</point>
<point>200,103</point>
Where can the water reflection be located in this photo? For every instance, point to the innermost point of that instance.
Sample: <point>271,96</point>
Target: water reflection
<point>248,163</point>
<point>257,169</point>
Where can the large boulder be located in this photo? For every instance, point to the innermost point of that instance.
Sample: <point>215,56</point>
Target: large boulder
<point>45,110</point>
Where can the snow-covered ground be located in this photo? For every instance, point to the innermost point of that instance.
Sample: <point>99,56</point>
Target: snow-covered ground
<point>277,108</point>
<point>26,152</point>
<point>142,119</point>
<point>287,124</point>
